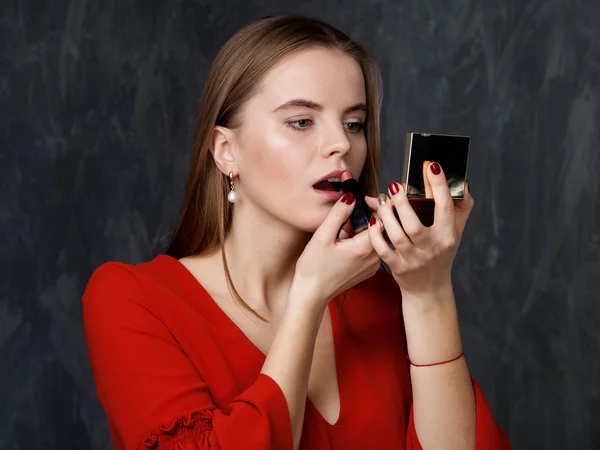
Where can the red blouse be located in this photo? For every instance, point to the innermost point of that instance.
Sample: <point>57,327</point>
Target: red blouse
<point>172,370</point>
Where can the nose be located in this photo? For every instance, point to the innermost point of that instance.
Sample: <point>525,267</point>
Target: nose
<point>335,142</point>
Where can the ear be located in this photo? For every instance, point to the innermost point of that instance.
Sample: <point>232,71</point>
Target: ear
<point>222,147</point>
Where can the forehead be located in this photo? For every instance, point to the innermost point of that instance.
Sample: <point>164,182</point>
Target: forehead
<point>317,74</point>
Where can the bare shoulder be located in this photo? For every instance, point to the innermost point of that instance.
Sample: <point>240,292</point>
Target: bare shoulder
<point>208,272</point>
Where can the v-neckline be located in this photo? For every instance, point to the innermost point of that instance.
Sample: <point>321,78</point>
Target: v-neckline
<point>225,320</point>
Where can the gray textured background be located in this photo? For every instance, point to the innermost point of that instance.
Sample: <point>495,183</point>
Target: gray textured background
<point>97,101</point>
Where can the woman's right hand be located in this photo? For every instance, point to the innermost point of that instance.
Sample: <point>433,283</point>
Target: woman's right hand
<point>328,265</point>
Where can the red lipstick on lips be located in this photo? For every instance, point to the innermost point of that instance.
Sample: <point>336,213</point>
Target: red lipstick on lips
<point>329,187</point>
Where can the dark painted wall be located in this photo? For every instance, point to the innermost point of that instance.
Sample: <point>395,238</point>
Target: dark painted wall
<point>97,102</point>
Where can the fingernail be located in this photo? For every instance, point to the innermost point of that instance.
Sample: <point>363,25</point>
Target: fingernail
<point>393,188</point>
<point>348,198</point>
<point>468,187</point>
<point>372,221</point>
<point>382,199</point>
<point>435,168</point>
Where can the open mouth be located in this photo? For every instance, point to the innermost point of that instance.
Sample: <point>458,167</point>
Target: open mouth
<point>330,184</point>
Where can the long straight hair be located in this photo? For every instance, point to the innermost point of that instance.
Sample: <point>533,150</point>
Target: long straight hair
<point>205,217</point>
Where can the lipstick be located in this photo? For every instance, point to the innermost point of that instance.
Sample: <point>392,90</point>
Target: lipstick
<point>359,217</point>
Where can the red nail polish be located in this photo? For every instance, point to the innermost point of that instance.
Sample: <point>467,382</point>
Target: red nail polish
<point>372,221</point>
<point>393,188</point>
<point>348,198</point>
<point>435,168</point>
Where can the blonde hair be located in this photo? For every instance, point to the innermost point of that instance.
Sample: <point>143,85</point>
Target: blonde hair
<point>239,67</point>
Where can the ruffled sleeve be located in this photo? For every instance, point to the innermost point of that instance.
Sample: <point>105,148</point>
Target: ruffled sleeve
<point>488,435</point>
<point>153,396</point>
<point>187,432</point>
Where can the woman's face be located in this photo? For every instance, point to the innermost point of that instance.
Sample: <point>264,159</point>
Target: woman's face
<point>305,122</point>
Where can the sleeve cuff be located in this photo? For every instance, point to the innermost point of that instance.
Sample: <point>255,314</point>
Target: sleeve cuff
<point>268,399</point>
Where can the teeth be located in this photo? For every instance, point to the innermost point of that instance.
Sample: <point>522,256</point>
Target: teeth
<point>334,179</point>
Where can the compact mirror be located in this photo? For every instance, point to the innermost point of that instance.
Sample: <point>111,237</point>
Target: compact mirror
<point>450,151</point>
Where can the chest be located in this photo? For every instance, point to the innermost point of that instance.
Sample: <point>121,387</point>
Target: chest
<point>358,379</point>
<point>359,392</point>
<point>323,388</point>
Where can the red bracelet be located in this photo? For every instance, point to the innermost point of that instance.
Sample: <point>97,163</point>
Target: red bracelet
<point>435,364</point>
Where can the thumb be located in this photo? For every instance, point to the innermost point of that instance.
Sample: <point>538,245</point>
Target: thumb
<point>347,230</point>
<point>336,218</point>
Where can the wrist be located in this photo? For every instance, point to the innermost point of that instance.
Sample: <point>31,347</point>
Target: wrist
<point>304,297</point>
<point>431,325</point>
<point>429,301</point>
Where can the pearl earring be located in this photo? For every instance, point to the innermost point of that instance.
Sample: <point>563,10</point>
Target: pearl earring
<point>232,196</point>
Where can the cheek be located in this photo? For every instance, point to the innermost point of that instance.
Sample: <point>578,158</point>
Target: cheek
<point>358,156</point>
<point>272,157</point>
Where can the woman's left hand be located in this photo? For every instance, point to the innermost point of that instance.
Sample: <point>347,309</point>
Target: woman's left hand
<point>422,257</point>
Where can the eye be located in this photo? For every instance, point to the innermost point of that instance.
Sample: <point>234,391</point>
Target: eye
<point>354,127</point>
<point>300,124</point>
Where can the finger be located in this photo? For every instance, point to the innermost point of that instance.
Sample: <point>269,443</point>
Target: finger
<point>337,217</point>
<point>463,209</point>
<point>372,202</point>
<point>347,230</point>
<point>373,205</point>
<point>426,183</point>
<point>380,245</point>
<point>360,243</point>
<point>394,230</point>
<point>444,219</point>
<point>343,234</point>
<point>414,229</point>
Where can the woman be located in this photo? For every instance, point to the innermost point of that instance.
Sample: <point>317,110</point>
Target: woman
<point>269,324</point>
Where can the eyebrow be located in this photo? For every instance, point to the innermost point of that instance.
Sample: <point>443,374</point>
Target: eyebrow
<point>303,103</point>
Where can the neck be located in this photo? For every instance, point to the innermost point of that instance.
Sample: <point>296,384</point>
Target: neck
<point>261,255</point>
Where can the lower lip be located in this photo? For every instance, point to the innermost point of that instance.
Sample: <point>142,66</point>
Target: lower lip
<point>332,196</point>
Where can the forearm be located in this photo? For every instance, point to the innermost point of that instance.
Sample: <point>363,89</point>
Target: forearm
<point>290,356</point>
<point>443,397</point>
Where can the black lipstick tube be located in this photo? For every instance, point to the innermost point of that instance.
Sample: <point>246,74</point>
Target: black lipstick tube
<point>359,217</point>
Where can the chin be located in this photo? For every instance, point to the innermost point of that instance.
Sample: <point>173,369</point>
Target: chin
<point>304,217</point>
<point>308,224</point>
